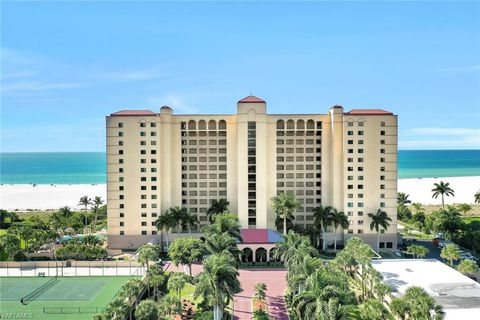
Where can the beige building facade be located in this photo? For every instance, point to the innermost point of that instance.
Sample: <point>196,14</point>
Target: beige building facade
<point>155,161</point>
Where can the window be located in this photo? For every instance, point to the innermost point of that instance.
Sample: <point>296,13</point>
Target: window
<point>153,124</point>
<point>120,134</point>
<point>382,204</point>
<point>360,132</point>
<point>382,124</point>
<point>143,133</point>
<point>350,133</point>
<point>120,143</point>
<point>122,232</point>
<point>144,232</point>
<point>120,125</point>
<point>142,124</point>
<point>350,141</point>
<point>382,133</point>
<point>153,134</point>
<point>360,123</point>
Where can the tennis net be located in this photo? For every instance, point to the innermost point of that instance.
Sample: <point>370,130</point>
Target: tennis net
<point>35,293</point>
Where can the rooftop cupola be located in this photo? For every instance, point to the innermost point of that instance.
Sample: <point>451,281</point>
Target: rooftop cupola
<point>251,103</point>
<point>166,110</point>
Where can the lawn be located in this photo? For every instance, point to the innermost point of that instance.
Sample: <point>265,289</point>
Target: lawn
<point>470,219</point>
<point>88,294</point>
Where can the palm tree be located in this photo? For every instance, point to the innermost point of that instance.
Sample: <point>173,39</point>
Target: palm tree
<point>10,244</point>
<point>147,253</point>
<point>323,285</point>
<point>179,216</point>
<point>379,219</point>
<point>284,205</point>
<point>418,207</point>
<point>85,201</point>
<point>261,291</point>
<point>165,222</point>
<point>117,309</point>
<point>191,220</point>
<point>402,199</point>
<point>146,310</point>
<point>218,282</point>
<point>399,308</point>
<point>322,218</point>
<point>332,310</point>
<point>65,212</point>
<point>299,272</point>
<point>422,305</point>
<point>450,252</point>
<point>217,207</point>
<point>131,289</point>
<point>339,219</point>
<point>467,267</point>
<point>156,278</point>
<point>477,197</point>
<point>293,249</point>
<point>442,189</point>
<point>222,244</point>
<point>176,282</point>
<point>97,202</point>
<point>464,208</point>
<point>373,309</point>
<point>224,223</point>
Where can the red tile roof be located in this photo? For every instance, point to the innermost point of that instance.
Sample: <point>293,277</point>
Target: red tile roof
<point>366,112</point>
<point>251,99</point>
<point>134,113</point>
<point>260,236</point>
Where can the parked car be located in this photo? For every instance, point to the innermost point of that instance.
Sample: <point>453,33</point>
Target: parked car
<point>468,255</point>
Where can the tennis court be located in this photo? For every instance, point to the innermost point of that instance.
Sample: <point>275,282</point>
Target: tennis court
<point>85,294</point>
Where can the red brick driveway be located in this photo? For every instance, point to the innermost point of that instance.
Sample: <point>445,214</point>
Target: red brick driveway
<point>276,284</point>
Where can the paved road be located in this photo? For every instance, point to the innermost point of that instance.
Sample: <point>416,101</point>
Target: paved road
<point>434,252</point>
<point>276,284</point>
<point>275,280</point>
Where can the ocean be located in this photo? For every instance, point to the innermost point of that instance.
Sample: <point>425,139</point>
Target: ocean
<point>90,167</point>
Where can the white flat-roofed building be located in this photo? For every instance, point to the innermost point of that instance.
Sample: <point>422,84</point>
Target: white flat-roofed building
<point>456,293</point>
<point>157,160</point>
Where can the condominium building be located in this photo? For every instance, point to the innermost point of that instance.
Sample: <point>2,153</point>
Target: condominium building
<point>157,160</point>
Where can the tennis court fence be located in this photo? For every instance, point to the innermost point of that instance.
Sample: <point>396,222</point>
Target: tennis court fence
<point>35,293</point>
<point>71,268</point>
<point>71,310</point>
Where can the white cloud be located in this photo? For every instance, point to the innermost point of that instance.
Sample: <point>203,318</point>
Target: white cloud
<point>176,102</point>
<point>470,68</point>
<point>28,86</point>
<point>440,138</point>
<point>135,75</point>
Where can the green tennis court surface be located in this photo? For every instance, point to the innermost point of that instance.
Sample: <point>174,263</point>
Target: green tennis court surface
<point>86,293</point>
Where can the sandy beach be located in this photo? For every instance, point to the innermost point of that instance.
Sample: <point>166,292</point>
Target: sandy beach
<point>420,190</point>
<point>45,196</point>
<point>25,196</point>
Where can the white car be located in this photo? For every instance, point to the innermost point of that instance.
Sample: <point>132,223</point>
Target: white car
<point>468,255</point>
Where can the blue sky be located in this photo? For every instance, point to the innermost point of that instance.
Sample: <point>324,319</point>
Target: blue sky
<point>64,66</point>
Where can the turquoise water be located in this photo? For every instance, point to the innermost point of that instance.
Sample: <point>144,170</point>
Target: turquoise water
<point>90,167</point>
<point>53,167</point>
<point>438,163</point>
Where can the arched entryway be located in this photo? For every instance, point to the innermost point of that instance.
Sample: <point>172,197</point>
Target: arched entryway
<point>247,255</point>
<point>261,255</point>
<point>272,257</point>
